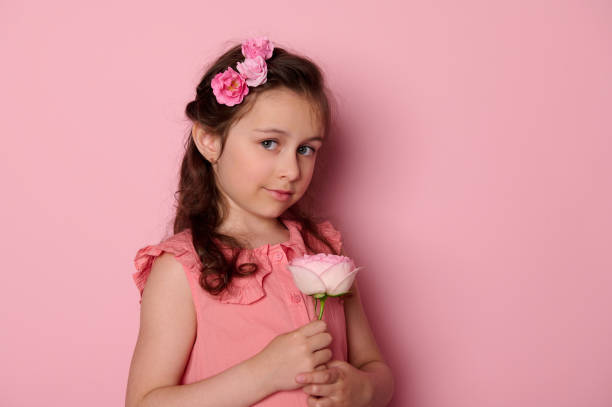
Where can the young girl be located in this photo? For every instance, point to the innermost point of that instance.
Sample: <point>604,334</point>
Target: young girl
<point>222,322</point>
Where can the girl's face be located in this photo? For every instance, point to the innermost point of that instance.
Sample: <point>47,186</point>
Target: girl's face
<point>273,147</point>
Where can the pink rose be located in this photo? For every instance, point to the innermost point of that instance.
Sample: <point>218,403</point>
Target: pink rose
<point>323,275</point>
<point>257,46</point>
<point>255,70</point>
<point>229,87</point>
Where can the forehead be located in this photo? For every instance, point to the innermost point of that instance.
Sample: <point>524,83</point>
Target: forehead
<point>284,109</point>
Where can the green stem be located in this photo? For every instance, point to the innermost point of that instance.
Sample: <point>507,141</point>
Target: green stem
<point>322,307</point>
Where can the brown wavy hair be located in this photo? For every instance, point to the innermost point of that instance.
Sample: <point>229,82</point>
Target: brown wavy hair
<point>199,205</point>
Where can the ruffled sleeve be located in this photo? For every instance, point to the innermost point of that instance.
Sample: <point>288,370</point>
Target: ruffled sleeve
<point>178,245</point>
<point>332,234</point>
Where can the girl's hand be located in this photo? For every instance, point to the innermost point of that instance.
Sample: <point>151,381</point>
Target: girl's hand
<point>288,354</point>
<point>340,385</point>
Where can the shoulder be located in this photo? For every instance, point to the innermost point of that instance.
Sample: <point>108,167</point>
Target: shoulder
<point>173,257</point>
<point>164,270</point>
<point>327,229</point>
<point>176,249</point>
<point>167,282</point>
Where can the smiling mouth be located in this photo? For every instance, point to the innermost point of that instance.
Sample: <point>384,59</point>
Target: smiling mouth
<point>281,196</point>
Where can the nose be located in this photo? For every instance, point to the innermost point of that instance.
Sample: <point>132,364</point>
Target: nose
<point>290,167</point>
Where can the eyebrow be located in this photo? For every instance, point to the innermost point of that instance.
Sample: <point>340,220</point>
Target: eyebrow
<point>272,130</point>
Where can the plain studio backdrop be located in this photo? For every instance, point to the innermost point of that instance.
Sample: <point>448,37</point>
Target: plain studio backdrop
<point>469,175</point>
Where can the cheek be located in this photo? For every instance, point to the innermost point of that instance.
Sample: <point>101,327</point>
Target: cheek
<point>247,171</point>
<point>307,172</point>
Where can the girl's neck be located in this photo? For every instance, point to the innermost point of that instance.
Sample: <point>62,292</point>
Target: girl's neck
<point>273,233</point>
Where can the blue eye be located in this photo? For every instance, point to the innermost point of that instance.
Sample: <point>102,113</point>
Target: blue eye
<point>265,145</point>
<point>267,141</point>
<point>313,150</point>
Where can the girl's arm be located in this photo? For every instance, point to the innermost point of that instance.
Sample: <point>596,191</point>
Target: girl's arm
<point>363,352</point>
<point>166,337</point>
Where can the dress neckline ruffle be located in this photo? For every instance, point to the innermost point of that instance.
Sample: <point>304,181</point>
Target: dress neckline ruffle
<point>246,290</point>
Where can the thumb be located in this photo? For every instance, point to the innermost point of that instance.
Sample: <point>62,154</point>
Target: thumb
<point>336,363</point>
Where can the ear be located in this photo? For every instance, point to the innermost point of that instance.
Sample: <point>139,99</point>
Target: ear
<point>208,144</point>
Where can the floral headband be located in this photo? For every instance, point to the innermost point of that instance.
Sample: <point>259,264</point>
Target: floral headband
<point>229,86</point>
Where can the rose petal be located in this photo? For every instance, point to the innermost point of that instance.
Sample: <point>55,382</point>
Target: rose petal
<point>335,274</point>
<point>308,282</point>
<point>345,285</point>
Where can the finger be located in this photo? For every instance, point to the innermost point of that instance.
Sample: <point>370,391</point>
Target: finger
<point>334,375</point>
<point>322,356</point>
<point>313,327</point>
<point>305,377</point>
<point>319,402</point>
<point>326,376</point>
<point>319,341</point>
<point>320,390</point>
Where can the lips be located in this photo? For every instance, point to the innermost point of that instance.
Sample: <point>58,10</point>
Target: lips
<point>281,191</point>
<point>280,194</point>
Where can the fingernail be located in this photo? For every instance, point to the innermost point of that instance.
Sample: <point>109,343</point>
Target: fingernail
<point>301,378</point>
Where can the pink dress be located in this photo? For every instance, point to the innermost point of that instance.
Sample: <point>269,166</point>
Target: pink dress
<point>258,307</point>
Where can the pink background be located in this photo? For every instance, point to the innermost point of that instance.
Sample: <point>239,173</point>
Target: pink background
<point>471,179</point>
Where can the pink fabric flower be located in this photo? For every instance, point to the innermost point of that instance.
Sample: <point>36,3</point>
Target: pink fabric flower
<point>257,46</point>
<point>255,70</point>
<point>323,275</point>
<point>229,87</point>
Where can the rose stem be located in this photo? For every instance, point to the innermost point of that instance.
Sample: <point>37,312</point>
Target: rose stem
<point>322,307</point>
